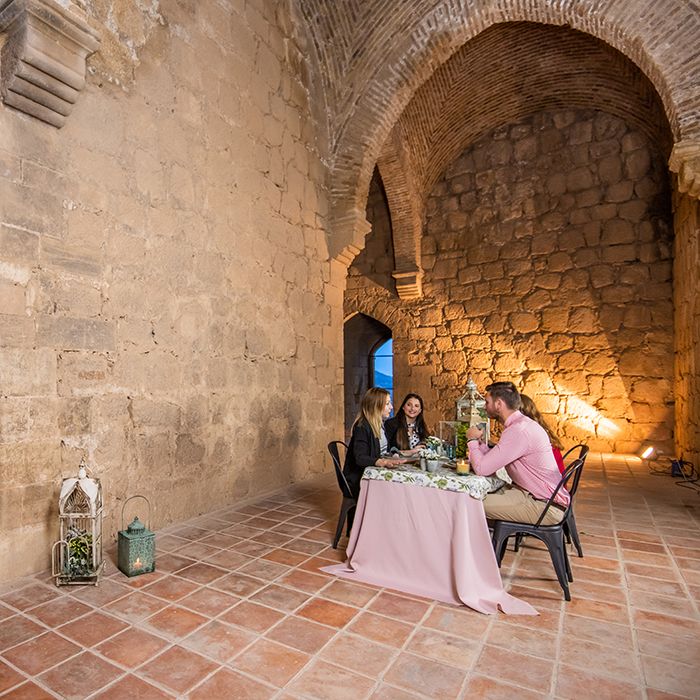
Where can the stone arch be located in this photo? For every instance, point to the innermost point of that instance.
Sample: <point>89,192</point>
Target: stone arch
<point>659,39</point>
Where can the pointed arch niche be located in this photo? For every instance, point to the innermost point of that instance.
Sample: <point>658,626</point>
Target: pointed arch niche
<point>363,336</point>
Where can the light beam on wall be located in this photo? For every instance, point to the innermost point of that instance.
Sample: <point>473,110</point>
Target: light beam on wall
<point>584,416</point>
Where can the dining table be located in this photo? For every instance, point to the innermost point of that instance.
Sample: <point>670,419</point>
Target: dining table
<point>425,534</point>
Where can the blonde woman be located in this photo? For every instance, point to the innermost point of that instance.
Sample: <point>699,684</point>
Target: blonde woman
<point>368,441</point>
<point>529,409</point>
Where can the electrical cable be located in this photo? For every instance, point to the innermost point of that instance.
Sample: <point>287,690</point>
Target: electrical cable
<point>680,469</point>
<point>688,475</point>
<point>659,471</point>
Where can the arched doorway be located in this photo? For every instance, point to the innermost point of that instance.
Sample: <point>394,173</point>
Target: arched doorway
<point>368,361</point>
<point>381,366</point>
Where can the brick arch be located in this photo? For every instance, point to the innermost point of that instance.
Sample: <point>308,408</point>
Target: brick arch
<point>530,68</point>
<point>404,201</point>
<point>366,91</point>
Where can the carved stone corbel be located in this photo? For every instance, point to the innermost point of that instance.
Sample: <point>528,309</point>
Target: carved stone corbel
<point>685,162</point>
<point>353,228</point>
<point>42,62</point>
<point>409,284</point>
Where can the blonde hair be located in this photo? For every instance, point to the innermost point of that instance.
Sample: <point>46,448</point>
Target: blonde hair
<point>529,409</point>
<point>371,409</point>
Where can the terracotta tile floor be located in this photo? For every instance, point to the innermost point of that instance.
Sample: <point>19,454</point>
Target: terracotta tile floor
<point>238,609</point>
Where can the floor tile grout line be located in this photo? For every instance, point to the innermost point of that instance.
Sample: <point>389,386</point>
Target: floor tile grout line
<point>26,676</point>
<point>679,573</point>
<point>312,657</point>
<point>641,680</point>
<point>554,680</point>
<point>404,647</point>
<point>287,614</point>
<point>262,635</point>
<point>170,642</point>
<point>614,497</point>
<point>396,651</point>
<point>36,678</point>
<point>93,650</point>
<point>481,643</point>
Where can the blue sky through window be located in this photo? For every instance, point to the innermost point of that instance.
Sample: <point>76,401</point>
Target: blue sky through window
<point>383,367</point>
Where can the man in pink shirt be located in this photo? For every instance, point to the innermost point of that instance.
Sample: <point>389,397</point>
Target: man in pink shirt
<point>526,453</point>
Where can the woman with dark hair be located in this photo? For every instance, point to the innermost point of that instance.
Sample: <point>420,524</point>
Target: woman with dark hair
<point>407,430</point>
<point>368,441</point>
<point>529,409</point>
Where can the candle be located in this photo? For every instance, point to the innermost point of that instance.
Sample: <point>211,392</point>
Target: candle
<point>462,466</point>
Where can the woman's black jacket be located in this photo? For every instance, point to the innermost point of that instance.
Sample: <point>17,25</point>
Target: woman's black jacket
<point>363,451</point>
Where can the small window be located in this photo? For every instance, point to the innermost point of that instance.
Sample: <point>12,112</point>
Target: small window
<point>382,367</point>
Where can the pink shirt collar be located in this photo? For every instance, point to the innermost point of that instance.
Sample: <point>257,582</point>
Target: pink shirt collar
<point>511,418</point>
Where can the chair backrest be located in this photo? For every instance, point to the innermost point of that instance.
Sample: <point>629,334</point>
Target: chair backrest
<point>583,452</point>
<point>572,474</point>
<point>342,481</point>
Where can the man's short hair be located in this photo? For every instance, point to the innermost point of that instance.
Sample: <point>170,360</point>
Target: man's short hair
<point>507,392</point>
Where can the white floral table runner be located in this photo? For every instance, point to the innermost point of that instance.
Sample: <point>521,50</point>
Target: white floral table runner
<point>444,478</point>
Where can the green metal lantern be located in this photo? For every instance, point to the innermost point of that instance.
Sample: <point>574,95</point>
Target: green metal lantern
<point>136,549</point>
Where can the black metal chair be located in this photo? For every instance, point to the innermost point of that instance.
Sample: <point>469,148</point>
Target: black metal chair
<point>570,529</point>
<point>347,507</point>
<point>551,535</point>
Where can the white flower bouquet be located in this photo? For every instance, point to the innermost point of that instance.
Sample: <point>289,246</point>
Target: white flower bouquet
<point>429,453</point>
<point>433,443</point>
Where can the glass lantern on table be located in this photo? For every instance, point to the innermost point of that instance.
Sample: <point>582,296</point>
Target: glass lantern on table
<point>471,409</point>
<point>471,412</point>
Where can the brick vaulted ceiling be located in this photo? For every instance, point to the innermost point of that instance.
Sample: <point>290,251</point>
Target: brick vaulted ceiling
<point>505,73</point>
<point>372,56</point>
<point>510,71</point>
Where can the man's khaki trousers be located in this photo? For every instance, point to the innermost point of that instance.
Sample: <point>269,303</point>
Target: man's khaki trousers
<point>513,503</point>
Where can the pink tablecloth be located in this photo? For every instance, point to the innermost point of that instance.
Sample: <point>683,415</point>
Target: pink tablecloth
<point>427,542</point>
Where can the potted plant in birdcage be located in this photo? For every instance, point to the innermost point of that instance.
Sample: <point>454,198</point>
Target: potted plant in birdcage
<point>79,560</point>
<point>76,557</point>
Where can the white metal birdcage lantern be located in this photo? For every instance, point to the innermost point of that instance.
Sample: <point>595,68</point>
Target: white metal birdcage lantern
<point>77,556</point>
<point>471,409</point>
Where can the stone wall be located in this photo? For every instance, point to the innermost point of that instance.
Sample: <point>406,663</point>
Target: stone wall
<point>168,310</point>
<point>686,297</point>
<point>547,257</point>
